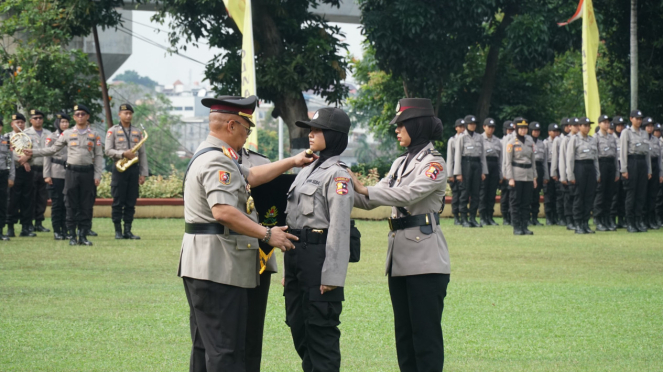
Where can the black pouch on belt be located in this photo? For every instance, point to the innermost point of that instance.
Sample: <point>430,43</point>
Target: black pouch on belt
<point>355,242</point>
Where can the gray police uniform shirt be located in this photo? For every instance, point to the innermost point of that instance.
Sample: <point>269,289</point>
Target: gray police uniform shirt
<point>451,152</point>
<point>117,143</point>
<point>634,142</point>
<point>469,145</point>
<point>251,159</point>
<point>541,155</point>
<point>493,149</point>
<point>563,146</point>
<point>52,169</point>
<point>323,199</point>
<point>555,152</point>
<point>7,157</point>
<point>214,178</point>
<point>505,141</point>
<point>581,148</point>
<point>607,144</point>
<point>420,189</point>
<point>83,148</point>
<point>38,142</point>
<point>520,153</point>
<point>656,153</point>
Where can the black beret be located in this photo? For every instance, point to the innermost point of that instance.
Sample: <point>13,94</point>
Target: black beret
<point>62,115</point>
<point>636,114</point>
<point>240,106</point>
<point>410,108</point>
<point>470,119</point>
<point>535,125</point>
<point>126,107</point>
<point>80,107</point>
<point>554,126</point>
<point>328,118</point>
<point>459,123</point>
<point>603,118</point>
<point>489,122</point>
<point>521,122</point>
<point>36,112</point>
<point>18,116</point>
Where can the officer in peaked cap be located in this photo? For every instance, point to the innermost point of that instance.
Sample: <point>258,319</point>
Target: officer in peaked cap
<point>550,187</point>
<point>38,135</point>
<point>521,173</point>
<point>653,185</point>
<point>415,189</point>
<point>21,196</point>
<point>508,128</point>
<point>493,151</point>
<point>219,256</point>
<point>568,190</point>
<point>659,198</point>
<point>459,127</point>
<point>608,168</point>
<point>636,168</point>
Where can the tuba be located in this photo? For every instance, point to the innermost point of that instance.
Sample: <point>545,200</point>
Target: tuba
<point>124,163</point>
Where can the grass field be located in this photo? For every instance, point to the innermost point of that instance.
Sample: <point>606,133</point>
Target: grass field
<point>551,302</point>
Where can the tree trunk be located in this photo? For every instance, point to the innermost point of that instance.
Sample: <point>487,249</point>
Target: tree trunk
<point>634,54</point>
<point>492,64</point>
<point>291,106</point>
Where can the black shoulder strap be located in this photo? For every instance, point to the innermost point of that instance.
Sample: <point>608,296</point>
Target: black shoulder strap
<point>195,156</point>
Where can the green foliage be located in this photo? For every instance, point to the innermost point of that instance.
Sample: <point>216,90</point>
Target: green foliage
<point>159,187</point>
<point>382,167</point>
<point>131,76</point>
<point>269,143</point>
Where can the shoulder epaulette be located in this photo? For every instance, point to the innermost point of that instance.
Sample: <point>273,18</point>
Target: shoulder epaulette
<point>342,164</point>
<point>435,153</point>
<point>257,153</point>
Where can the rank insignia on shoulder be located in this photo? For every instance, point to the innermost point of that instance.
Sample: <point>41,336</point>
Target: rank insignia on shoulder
<point>434,170</point>
<point>435,153</point>
<point>341,185</point>
<point>224,177</point>
<point>342,164</point>
<point>230,153</point>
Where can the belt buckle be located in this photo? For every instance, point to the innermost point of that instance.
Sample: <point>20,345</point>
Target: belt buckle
<point>317,231</point>
<point>391,225</point>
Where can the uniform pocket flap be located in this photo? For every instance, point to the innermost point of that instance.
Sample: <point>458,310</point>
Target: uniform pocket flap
<point>244,242</point>
<point>307,198</point>
<point>414,234</point>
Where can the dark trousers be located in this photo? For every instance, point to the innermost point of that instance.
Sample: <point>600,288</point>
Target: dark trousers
<point>313,318</point>
<point>584,190</point>
<point>519,197</point>
<point>636,187</point>
<point>41,194</point>
<point>257,303</point>
<point>58,209</point>
<point>652,190</point>
<point>505,200</point>
<point>470,187</point>
<point>4,191</point>
<point>418,303</point>
<point>455,197</point>
<point>569,195</point>
<point>659,202</point>
<point>218,315</point>
<point>489,188</point>
<point>559,202</point>
<point>605,190</point>
<point>535,206</point>
<point>618,207</point>
<point>550,197</point>
<point>124,189</point>
<point>79,200</point>
<point>21,197</point>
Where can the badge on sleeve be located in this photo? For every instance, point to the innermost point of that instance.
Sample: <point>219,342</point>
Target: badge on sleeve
<point>48,140</point>
<point>224,177</point>
<point>434,170</point>
<point>341,185</point>
<point>109,133</point>
<point>509,148</point>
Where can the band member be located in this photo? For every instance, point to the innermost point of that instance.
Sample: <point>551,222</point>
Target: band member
<point>54,175</point>
<point>21,196</point>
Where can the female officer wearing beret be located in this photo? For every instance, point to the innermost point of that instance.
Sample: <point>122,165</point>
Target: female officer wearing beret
<point>417,257</point>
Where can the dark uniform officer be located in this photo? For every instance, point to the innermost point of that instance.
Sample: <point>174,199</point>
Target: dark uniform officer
<point>38,136</point>
<point>608,168</point>
<point>417,258</point>
<point>459,127</point>
<point>550,187</point>
<point>635,163</point>
<point>521,172</point>
<point>582,173</point>
<point>7,175</point>
<point>120,139</point>
<point>21,196</point>
<point>618,207</point>
<point>320,202</point>
<point>659,197</point>
<point>508,132</point>
<point>85,162</point>
<point>470,169</point>
<point>653,185</point>
<point>54,175</point>
<point>493,149</point>
<point>541,157</point>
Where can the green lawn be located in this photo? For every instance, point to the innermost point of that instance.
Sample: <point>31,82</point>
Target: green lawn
<point>551,302</point>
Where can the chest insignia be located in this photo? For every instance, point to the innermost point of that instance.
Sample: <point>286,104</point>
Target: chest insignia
<point>434,170</point>
<point>224,178</point>
<point>341,185</point>
<point>270,217</point>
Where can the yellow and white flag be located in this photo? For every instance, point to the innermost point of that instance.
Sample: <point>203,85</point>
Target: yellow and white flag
<point>240,12</point>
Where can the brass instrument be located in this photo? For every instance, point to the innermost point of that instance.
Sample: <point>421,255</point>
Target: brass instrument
<point>124,163</point>
<point>20,142</point>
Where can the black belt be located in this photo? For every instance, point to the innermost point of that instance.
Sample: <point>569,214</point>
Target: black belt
<point>79,168</point>
<point>636,156</point>
<point>492,159</point>
<point>607,159</point>
<point>206,228</point>
<point>524,166</point>
<point>539,163</point>
<point>308,235</point>
<point>3,171</point>
<point>412,221</point>
<point>585,161</point>
<point>474,159</point>
<point>37,168</point>
<point>59,161</point>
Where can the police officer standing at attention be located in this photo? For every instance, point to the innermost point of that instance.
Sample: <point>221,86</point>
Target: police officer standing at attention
<point>470,169</point>
<point>521,172</point>
<point>659,197</point>
<point>21,196</point>
<point>550,187</point>
<point>618,207</point>
<point>38,136</point>
<point>582,173</point>
<point>219,256</point>
<point>120,139</point>
<point>320,203</point>
<point>608,168</point>
<point>649,214</point>
<point>509,132</point>
<point>417,258</point>
<point>493,147</point>
<point>635,163</point>
<point>85,162</point>
<point>459,127</point>
<point>569,192</point>
<point>556,175</point>
<point>541,157</point>
<point>54,174</point>
<point>7,175</point>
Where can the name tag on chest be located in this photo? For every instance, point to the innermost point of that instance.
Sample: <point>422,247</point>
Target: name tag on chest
<point>469,147</point>
<point>489,150</point>
<point>606,149</point>
<point>585,150</point>
<point>638,144</point>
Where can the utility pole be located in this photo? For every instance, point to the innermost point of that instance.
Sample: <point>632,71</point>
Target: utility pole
<point>102,77</point>
<point>634,54</point>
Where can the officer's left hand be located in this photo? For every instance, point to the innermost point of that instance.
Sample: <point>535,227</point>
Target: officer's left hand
<point>327,288</point>
<point>599,181</point>
<point>11,183</point>
<point>141,180</point>
<point>97,182</point>
<point>660,180</point>
<point>301,160</point>
<point>649,176</point>
<point>483,177</point>
<point>28,168</point>
<point>535,186</point>
<point>617,178</point>
<point>358,186</point>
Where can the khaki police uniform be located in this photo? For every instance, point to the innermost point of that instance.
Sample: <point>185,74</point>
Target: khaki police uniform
<point>493,154</point>
<point>470,163</point>
<point>21,196</point>
<point>505,203</point>
<point>37,165</point>
<point>54,167</point>
<point>555,172</point>
<point>582,173</point>
<point>7,173</point>
<point>659,197</point>
<point>635,159</point>
<point>455,189</point>
<point>520,167</point>
<point>608,168</point>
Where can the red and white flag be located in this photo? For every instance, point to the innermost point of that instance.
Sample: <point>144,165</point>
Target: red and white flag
<point>576,16</point>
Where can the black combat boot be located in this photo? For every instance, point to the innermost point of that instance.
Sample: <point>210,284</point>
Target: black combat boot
<point>57,234</point>
<point>652,223</point>
<point>25,232</point>
<point>524,229</point>
<point>464,221</point>
<point>560,221</point>
<point>640,224</point>
<point>620,222</point>
<point>517,227</point>
<point>3,236</point>
<point>610,223</point>
<point>10,231</point>
<point>92,233</point>
<point>457,220</point>
<point>72,237</point>
<point>82,238</point>
<point>569,224</point>
<point>128,234</point>
<point>549,221</point>
<point>535,221</point>
<point>585,225</point>
<point>492,220</point>
<point>484,221</point>
<point>506,219</point>
<point>631,226</point>
<point>472,221</point>
<point>118,230</point>
<point>580,229</point>
<point>601,224</point>
<point>40,228</point>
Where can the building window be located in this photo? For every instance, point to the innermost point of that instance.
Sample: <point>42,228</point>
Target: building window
<point>177,108</point>
<point>188,108</point>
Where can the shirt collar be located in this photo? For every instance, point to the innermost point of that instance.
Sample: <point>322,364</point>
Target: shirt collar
<point>216,142</point>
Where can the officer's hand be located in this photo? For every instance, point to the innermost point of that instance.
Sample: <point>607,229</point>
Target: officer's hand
<point>301,160</point>
<point>535,183</point>
<point>283,282</point>
<point>649,176</point>
<point>501,180</point>
<point>617,179</point>
<point>451,179</point>
<point>28,153</point>
<point>599,181</point>
<point>141,180</point>
<point>358,186</point>
<point>660,180</point>
<point>512,182</point>
<point>483,177</point>
<point>97,182</point>
<point>327,288</point>
<point>555,178</point>
<point>564,183</point>
<point>129,154</point>
<point>545,182</point>
<point>23,159</point>
<point>459,178</point>
<point>573,182</point>
<point>27,167</point>
<point>48,180</point>
<point>625,175</point>
<point>11,183</point>
<point>281,239</point>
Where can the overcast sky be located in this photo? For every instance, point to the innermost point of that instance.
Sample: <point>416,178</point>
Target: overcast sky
<point>150,61</point>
